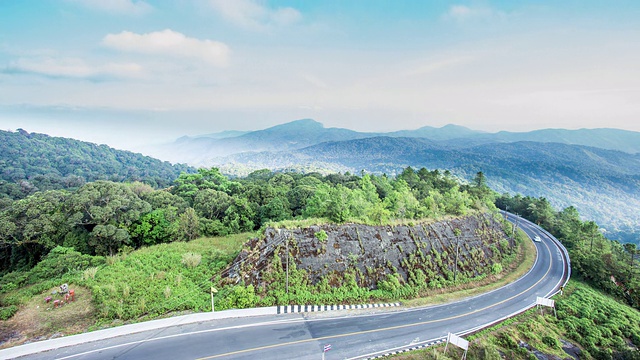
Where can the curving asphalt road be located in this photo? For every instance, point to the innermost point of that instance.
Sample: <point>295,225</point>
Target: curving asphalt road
<point>295,336</point>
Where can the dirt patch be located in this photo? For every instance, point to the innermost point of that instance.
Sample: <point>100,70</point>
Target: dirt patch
<point>39,320</point>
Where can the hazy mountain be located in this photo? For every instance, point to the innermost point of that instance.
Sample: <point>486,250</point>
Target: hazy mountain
<point>611,139</point>
<point>447,132</point>
<point>221,134</point>
<point>203,149</point>
<point>200,150</point>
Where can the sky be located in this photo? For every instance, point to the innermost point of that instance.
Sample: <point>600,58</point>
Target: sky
<point>133,72</point>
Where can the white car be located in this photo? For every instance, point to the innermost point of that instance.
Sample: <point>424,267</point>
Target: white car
<point>537,239</point>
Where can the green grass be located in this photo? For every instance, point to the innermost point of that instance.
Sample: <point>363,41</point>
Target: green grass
<point>162,279</point>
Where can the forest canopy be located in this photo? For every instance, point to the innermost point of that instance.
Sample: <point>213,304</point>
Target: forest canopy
<point>104,217</point>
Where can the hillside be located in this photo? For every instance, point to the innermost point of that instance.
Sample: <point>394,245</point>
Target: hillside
<point>42,162</point>
<point>603,184</point>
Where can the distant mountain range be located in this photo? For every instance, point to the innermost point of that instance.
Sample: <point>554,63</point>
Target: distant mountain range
<point>206,150</point>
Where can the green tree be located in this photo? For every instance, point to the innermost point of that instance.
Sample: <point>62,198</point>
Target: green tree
<point>211,204</point>
<point>33,226</point>
<point>107,239</point>
<point>108,208</point>
<point>188,225</point>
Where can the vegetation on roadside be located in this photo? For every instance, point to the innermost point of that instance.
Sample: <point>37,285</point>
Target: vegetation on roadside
<point>589,325</point>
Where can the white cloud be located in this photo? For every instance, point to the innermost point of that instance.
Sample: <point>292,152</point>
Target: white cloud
<point>171,43</point>
<point>135,7</point>
<point>73,68</point>
<point>462,13</point>
<point>254,15</point>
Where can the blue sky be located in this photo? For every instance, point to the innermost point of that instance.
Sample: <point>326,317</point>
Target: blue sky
<point>132,72</point>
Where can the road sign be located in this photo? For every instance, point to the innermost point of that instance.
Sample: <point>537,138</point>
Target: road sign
<point>540,301</point>
<point>545,302</point>
<point>459,342</point>
<point>213,306</point>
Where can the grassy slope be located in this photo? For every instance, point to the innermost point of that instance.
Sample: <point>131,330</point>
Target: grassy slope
<point>148,283</point>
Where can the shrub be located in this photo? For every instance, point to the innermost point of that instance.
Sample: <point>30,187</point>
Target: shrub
<point>7,312</point>
<point>89,273</point>
<point>59,262</point>
<point>191,260</point>
<point>550,341</point>
<point>496,268</point>
<point>321,236</point>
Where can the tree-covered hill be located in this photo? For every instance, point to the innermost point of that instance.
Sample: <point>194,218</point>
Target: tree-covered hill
<point>30,162</point>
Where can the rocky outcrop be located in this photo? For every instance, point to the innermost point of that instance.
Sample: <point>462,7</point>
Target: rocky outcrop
<point>415,252</point>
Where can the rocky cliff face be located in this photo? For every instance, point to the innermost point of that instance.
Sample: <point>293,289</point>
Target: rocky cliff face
<point>421,252</point>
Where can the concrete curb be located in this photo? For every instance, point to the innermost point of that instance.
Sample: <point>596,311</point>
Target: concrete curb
<point>317,308</point>
<point>46,345</point>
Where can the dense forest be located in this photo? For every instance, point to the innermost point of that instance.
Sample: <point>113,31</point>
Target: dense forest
<point>103,217</point>
<point>31,162</point>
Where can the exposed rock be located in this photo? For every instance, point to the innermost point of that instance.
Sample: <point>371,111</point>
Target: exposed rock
<point>571,349</point>
<point>372,252</point>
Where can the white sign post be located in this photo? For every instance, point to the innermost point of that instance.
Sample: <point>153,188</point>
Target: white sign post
<point>459,342</point>
<point>213,290</point>
<point>540,302</point>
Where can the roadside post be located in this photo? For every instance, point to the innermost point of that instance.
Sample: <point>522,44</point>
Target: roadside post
<point>213,291</point>
<point>326,348</point>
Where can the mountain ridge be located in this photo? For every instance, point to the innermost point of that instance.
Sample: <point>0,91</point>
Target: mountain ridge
<point>298,134</point>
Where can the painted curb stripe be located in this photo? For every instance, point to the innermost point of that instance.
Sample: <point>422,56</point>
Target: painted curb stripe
<point>290,309</point>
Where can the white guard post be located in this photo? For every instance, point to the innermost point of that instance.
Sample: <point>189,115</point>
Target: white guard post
<point>540,302</point>
<point>325,349</point>
<point>459,342</point>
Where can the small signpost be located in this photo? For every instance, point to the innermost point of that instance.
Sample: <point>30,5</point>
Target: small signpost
<point>213,291</point>
<point>326,348</point>
<point>540,301</point>
<point>459,342</point>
